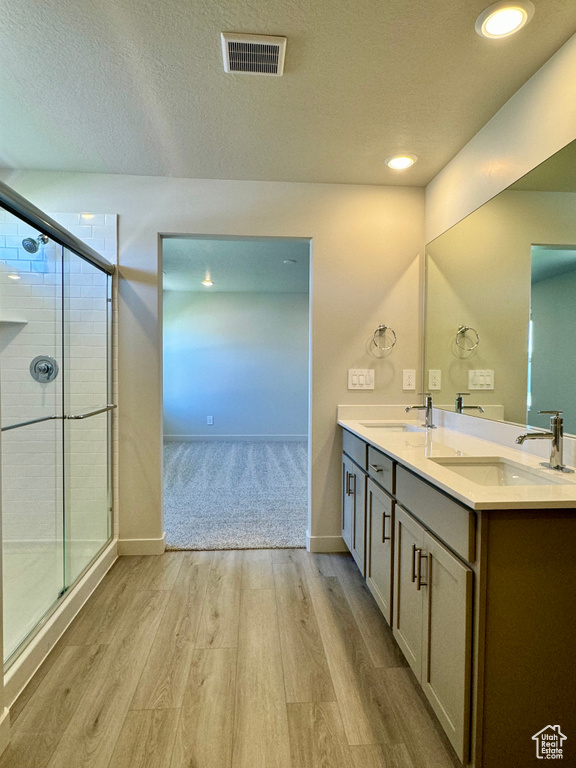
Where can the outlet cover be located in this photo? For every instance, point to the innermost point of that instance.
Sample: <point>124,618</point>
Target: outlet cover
<point>360,378</point>
<point>434,380</point>
<point>210,421</point>
<point>408,379</point>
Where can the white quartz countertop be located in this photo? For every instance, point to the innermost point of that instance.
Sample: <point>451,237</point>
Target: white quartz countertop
<point>415,449</point>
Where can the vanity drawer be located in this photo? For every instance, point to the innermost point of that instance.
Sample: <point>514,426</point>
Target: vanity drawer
<point>381,469</point>
<point>450,521</point>
<point>355,448</point>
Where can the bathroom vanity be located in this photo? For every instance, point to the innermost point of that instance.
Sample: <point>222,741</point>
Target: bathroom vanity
<point>469,549</point>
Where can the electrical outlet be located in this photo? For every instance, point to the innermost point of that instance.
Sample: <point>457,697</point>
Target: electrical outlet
<point>434,380</point>
<point>408,379</point>
<point>210,420</point>
<point>360,378</point>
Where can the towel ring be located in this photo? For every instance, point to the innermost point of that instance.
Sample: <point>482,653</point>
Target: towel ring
<point>381,331</point>
<point>462,331</point>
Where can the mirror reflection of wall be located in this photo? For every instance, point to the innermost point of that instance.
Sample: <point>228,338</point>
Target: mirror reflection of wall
<point>479,273</point>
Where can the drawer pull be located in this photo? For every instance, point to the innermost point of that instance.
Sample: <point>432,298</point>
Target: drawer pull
<point>376,468</point>
<point>419,582</point>
<point>384,537</point>
<point>414,550</point>
<point>349,490</point>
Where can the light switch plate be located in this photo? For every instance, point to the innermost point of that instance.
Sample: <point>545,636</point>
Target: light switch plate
<point>408,379</point>
<point>434,380</point>
<point>481,379</point>
<point>360,378</point>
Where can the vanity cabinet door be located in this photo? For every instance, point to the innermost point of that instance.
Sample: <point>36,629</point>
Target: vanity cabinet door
<point>359,525</point>
<point>447,641</point>
<point>348,481</point>
<point>380,523</point>
<point>408,604</point>
<point>354,511</point>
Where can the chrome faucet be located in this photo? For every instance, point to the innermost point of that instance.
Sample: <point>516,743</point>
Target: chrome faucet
<point>459,406</point>
<point>555,435</point>
<point>427,406</point>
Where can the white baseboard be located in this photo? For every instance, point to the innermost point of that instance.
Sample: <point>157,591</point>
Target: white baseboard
<point>23,669</point>
<point>234,438</point>
<point>142,546</point>
<point>4,729</point>
<point>325,543</point>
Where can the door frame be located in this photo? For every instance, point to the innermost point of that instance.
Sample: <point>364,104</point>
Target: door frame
<point>196,236</point>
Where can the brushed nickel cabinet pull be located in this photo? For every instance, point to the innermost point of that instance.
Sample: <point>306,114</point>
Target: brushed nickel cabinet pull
<point>375,467</point>
<point>414,550</point>
<point>384,537</point>
<point>419,582</point>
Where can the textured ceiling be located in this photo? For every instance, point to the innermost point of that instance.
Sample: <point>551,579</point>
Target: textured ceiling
<point>255,265</point>
<point>138,87</point>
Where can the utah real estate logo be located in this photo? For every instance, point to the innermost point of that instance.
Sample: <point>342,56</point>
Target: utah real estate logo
<point>549,743</point>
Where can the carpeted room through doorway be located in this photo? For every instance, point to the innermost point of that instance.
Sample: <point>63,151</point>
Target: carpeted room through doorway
<point>235,494</point>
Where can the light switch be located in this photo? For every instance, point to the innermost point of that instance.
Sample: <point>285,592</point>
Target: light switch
<point>360,378</point>
<point>481,379</point>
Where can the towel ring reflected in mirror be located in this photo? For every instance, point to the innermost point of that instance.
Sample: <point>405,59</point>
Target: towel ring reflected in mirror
<point>461,338</point>
<point>380,333</point>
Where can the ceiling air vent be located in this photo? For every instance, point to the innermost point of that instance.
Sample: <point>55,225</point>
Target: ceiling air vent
<point>253,54</point>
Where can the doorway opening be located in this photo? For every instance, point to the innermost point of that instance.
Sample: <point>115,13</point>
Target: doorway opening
<point>236,338</point>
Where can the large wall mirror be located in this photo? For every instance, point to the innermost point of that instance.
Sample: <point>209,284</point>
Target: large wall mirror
<point>501,302</point>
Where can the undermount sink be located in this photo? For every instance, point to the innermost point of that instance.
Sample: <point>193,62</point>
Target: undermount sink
<point>497,471</point>
<point>391,426</point>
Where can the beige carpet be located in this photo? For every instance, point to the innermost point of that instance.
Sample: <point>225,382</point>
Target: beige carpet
<point>235,495</point>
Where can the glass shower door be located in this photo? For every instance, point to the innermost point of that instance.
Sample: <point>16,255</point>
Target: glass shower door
<point>31,364</point>
<point>88,408</point>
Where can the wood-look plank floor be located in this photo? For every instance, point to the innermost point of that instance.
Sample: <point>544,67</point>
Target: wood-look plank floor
<point>237,659</point>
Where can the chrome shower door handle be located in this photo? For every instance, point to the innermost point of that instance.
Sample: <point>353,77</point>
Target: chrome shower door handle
<point>104,409</point>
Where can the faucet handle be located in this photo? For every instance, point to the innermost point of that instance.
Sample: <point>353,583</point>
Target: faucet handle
<point>461,394</point>
<point>427,394</point>
<point>555,417</point>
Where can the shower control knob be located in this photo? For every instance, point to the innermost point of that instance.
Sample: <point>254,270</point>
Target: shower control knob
<point>44,368</point>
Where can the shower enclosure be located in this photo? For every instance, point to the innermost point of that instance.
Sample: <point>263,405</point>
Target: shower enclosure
<point>56,412</point>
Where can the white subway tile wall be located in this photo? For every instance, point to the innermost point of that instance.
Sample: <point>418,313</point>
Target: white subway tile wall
<point>31,323</point>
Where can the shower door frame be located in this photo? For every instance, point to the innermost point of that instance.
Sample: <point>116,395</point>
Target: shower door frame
<point>14,203</point>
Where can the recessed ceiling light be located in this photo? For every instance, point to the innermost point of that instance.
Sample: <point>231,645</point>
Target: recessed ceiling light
<point>14,277</point>
<point>504,18</point>
<point>400,162</point>
<point>87,215</point>
<point>207,281</point>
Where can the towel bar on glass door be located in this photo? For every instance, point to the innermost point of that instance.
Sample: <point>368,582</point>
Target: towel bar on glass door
<point>50,418</point>
<point>104,409</point>
<point>32,421</point>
